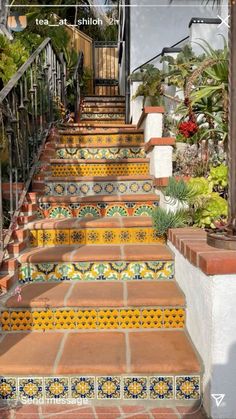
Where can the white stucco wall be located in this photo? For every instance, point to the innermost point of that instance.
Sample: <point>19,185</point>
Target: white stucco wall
<point>211,314</point>
<point>156,24</point>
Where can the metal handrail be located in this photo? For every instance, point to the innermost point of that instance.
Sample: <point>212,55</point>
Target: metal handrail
<point>78,73</point>
<point>28,106</point>
<point>160,54</point>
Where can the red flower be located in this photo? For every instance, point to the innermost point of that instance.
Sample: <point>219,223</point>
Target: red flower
<point>188,128</point>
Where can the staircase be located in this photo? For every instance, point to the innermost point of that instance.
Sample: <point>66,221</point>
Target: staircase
<point>99,315</point>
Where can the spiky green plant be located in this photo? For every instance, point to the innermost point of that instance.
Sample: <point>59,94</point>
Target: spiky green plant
<point>164,220</point>
<point>179,190</point>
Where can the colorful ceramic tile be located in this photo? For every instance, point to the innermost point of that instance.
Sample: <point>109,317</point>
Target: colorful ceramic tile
<point>99,188</point>
<point>135,388</point>
<point>97,271</point>
<point>101,272</point>
<point>31,388</point>
<point>86,319</point>
<point>130,318</point>
<point>152,318</point>
<point>83,387</point>
<point>96,140</point>
<point>65,319</point>
<point>108,319</point>
<point>174,318</point>
<point>187,387</point>
<point>102,169</point>
<point>113,153</point>
<point>164,270</point>
<point>109,387</point>
<point>60,212</point>
<point>56,388</point>
<point>8,388</point>
<point>137,271</point>
<point>161,388</point>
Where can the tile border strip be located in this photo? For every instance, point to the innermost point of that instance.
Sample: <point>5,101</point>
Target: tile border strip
<point>127,387</point>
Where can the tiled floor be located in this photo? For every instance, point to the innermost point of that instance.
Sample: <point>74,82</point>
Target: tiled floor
<point>88,412</point>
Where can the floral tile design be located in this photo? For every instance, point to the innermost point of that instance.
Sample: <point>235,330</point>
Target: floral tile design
<point>100,271</point>
<point>8,388</point>
<point>83,387</point>
<point>100,153</point>
<point>99,188</point>
<point>31,388</point>
<point>187,387</point>
<point>100,169</point>
<point>151,387</point>
<point>95,236</point>
<point>97,140</point>
<point>56,388</point>
<point>109,387</point>
<point>161,387</point>
<point>135,388</point>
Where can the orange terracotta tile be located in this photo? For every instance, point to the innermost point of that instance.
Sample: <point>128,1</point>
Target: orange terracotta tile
<point>93,353</point>
<point>141,293</point>
<point>27,411</point>
<point>97,294</point>
<point>73,253</point>
<point>29,353</point>
<point>218,263</point>
<point>40,295</point>
<point>147,252</point>
<point>107,412</point>
<point>167,352</point>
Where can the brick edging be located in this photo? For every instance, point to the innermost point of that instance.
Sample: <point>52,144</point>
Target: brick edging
<point>192,244</point>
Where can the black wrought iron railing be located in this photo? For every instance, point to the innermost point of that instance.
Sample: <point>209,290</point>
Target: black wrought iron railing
<point>28,107</point>
<point>77,79</point>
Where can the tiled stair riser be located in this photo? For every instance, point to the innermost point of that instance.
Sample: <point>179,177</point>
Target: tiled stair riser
<point>153,387</point>
<point>88,188</point>
<point>100,169</point>
<point>97,140</point>
<point>104,121</point>
<point>98,209</point>
<point>111,153</point>
<point>97,319</point>
<point>104,109</point>
<point>101,116</point>
<point>96,271</point>
<point>94,236</point>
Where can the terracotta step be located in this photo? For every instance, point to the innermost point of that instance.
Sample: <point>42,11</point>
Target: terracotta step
<point>101,359</point>
<point>91,153</point>
<point>100,198</point>
<point>125,252</point>
<point>95,185</point>
<point>80,145</point>
<point>105,222</point>
<point>97,206</point>
<point>94,305</point>
<point>99,294</point>
<point>99,168</point>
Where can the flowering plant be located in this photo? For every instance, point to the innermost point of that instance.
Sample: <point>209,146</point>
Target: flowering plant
<point>188,128</point>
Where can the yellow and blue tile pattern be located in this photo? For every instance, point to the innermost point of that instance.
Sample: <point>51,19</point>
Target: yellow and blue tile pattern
<point>151,387</point>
